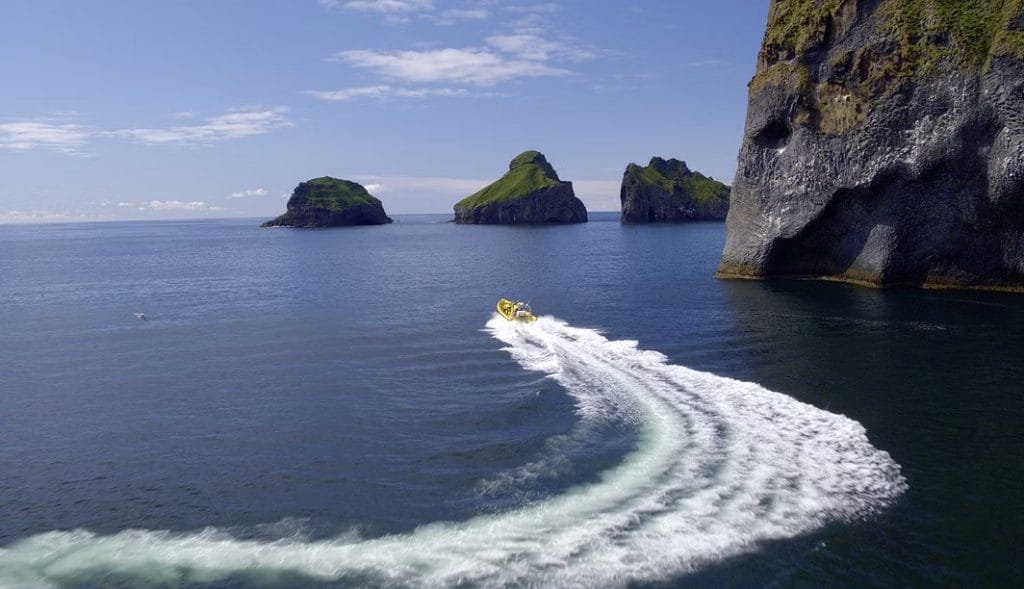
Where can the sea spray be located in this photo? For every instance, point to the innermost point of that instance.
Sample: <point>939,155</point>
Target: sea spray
<point>720,466</point>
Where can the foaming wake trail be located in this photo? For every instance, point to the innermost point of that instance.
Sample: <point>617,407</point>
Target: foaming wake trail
<point>721,466</point>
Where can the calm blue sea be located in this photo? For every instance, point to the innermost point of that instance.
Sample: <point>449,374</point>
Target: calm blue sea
<point>343,408</point>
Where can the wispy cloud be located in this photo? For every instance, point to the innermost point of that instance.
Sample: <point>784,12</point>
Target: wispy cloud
<point>249,193</point>
<point>177,205</point>
<point>393,11</point>
<point>232,125</point>
<point>467,66</point>
<point>403,11</point>
<point>164,205</point>
<point>532,17</point>
<point>54,134</point>
<point>60,137</point>
<point>383,92</point>
<point>29,217</point>
<point>534,8</point>
<point>385,6</point>
<point>534,47</point>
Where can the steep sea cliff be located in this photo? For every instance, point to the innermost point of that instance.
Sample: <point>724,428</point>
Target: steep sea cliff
<point>884,145</point>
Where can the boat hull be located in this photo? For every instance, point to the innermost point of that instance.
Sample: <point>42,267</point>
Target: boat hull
<point>507,309</point>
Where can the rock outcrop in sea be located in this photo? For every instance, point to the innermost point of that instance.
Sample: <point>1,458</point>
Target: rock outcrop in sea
<point>884,145</point>
<point>666,191</point>
<point>330,202</point>
<point>530,193</point>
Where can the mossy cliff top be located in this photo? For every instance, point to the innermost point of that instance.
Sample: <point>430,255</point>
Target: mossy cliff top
<point>673,176</point>
<point>330,194</point>
<point>916,37</point>
<point>330,202</point>
<point>528,172</point>
<point>839,56</point>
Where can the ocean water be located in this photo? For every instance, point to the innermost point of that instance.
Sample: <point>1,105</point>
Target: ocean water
<point>344,408</point>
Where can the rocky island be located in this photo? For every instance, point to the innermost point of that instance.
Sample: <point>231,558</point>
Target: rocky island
<point>666,191</point>
<point>330,202</point>
<point>529,193</point>
<point>884,145</point>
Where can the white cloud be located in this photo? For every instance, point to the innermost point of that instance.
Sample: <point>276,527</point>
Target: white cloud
<point>467,66</point>
<point>385,6</point>
<point>349,93</point>
<point>175,205</point>
<point>26,217</point>
<point>532,17</point>
<point>71,138</point>
<point>381,92</point>
<point>248,193</point>
<point>372,188</point>
<point>534,47</point>
<point>539,8</point>
<point>232,125</point>
<point>28,135</point>
<point>185,114</point>
<point>402,11</point>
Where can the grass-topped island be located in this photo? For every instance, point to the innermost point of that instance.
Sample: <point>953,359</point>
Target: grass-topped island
<point>530,193</point>
<point>666,191</point>
<point>330,202</point>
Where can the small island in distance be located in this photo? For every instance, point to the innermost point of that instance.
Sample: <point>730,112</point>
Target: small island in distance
<point>667,191</point>
<point>331,202</point>
<point>530,193</point>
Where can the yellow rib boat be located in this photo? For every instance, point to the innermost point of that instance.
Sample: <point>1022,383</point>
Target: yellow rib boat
<point>515,310</point>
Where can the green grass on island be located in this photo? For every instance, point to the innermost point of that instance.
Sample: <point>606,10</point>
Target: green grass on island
<point>333,194</point>
<point>701,188</point>
<point>528,172</point>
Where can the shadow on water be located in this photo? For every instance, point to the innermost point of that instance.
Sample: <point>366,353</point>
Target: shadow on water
<point>935,378</point>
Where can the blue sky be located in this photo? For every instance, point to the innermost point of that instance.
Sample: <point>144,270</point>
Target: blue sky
<point>145,109</point>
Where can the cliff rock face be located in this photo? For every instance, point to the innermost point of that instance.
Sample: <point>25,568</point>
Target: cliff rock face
<point>666,191</point>
<point>330,202</point>
<point>530,193</point>
<point>884,145</point>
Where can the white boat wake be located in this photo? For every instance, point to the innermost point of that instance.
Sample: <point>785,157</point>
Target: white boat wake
<point>720,467</point>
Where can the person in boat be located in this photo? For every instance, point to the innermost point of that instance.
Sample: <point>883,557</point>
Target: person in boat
<point>522,309</point>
